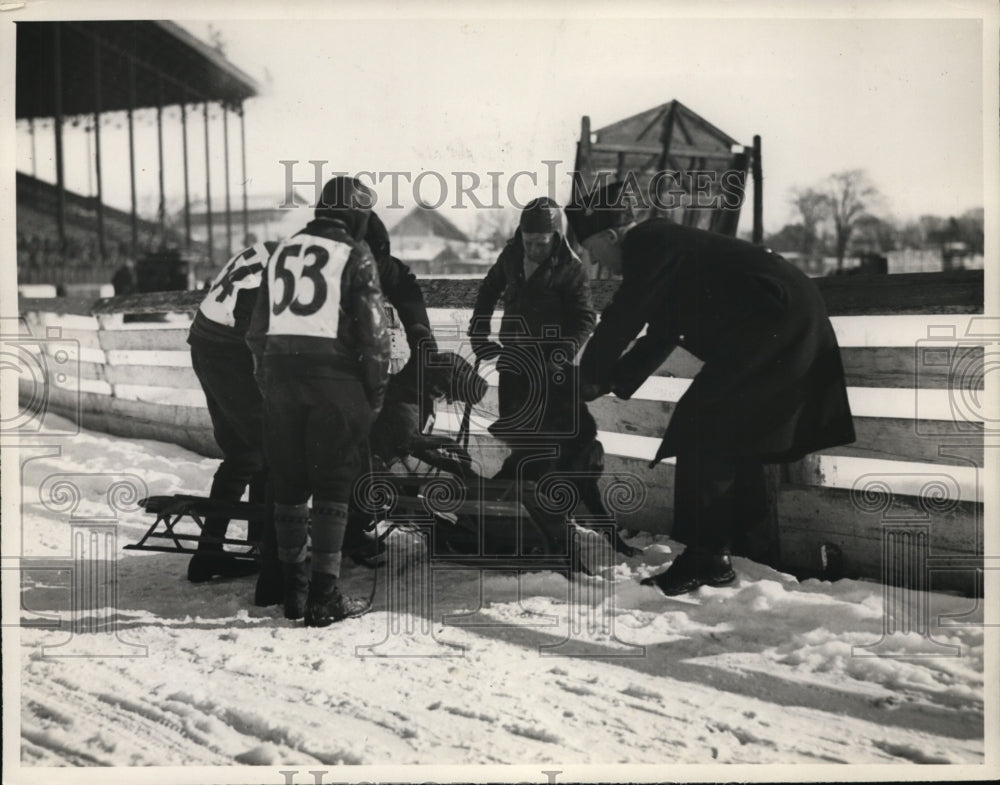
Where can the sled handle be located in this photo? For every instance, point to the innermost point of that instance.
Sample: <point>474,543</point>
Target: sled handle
<point>463,429</point>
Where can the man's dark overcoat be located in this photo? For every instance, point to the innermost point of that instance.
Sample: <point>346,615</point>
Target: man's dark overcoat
<point>772,387</point>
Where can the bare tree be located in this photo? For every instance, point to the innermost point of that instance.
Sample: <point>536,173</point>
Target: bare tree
<point>814,207</point>
<point>851,195</point>
<point>496,226</point>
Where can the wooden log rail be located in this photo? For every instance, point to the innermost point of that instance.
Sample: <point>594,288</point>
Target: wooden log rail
<point>915,349</point>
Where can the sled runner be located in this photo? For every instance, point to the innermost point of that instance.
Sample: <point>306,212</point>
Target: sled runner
<point>474,521</point>
<point>170,511</point>
<point>435,489</point>
<point>469,520</point>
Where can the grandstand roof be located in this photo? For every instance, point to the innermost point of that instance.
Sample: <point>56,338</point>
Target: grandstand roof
<point>171,67</point>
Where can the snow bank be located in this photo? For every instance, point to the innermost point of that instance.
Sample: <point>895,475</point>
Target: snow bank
<point>497,668</point>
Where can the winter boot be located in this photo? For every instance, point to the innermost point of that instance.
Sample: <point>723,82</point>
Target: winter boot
<point>291,522</point>
<point>327,604</point>
<point>268,590</point>
<point>209,561</point>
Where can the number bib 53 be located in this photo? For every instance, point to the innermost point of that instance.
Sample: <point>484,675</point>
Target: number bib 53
<point>304,283</point>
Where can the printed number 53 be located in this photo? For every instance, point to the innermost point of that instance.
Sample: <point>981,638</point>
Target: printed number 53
<point>316,259</point>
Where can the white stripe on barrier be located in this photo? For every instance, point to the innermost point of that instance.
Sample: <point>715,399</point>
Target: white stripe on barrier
<point>852,331</point>
<point>73,384</point>
<point>896,402</point>
<point>170,359</point>
<point>69,321</point>
<point>962,483</point>
<point>936,483</point>
<point>911,330</point>
<point>169,396</point>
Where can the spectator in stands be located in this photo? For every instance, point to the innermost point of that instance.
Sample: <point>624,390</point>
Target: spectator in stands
<point>772,387</point>
<point>124,280</point>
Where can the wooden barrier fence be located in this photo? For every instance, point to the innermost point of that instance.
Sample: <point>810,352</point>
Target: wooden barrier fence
<point>915,348</point>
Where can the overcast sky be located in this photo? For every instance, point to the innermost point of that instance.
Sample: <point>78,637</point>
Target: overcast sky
<point>900,98</point>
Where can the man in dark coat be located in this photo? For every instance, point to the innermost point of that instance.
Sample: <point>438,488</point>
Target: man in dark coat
<point>771,390</point>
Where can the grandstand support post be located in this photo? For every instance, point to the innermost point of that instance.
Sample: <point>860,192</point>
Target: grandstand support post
<point>60,181</point>
<point>770,540</point>
<point>187,194</point>
<point>243,155</point>
<point>131,157</point>
<point>34,157</point>
<point>101,247</point>
<point>161,213</point>
<point>758,193</point>
<point>208,190</point>
<point>225,154</point>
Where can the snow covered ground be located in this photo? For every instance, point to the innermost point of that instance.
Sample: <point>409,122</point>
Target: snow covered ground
<point>531,670</point>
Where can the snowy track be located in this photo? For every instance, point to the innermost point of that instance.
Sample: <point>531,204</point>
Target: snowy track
<point>765,671</point>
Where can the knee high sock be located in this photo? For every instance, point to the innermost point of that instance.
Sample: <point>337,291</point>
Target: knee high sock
<point>329,525</point>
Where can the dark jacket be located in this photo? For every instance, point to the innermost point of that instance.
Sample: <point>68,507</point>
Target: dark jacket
<point>557,295</point>
<point>399,285</point>
<point>222,319</point>
<point>319,311</point>
<point>401,289</point>
<point>772,386</point>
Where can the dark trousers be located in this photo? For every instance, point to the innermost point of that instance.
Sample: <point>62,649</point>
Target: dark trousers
<point>391,436</point>
<point>314,428</point>
<point>540,415</point>
<point>718,501</point>
<point>237,411</point>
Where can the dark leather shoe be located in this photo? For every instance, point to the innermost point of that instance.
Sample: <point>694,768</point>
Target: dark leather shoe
<point>206,565</point>
<point>327,604</point>
<point>691,570</point>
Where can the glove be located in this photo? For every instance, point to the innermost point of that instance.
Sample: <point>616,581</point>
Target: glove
<point>419,336</point>
<point>590,392</point>
<point>487,350</point>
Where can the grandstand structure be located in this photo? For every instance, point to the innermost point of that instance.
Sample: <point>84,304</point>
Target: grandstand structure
<point>73,70</point>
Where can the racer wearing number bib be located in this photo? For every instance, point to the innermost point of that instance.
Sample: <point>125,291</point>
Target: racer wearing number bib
<point>224,367</point>
<point>320,341</point>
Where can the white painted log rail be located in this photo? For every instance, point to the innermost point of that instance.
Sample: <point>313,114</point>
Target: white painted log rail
<point>916,350</point>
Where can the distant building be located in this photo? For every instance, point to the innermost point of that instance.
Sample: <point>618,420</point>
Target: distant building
<point>431,244</point>
<point>266,220</point>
